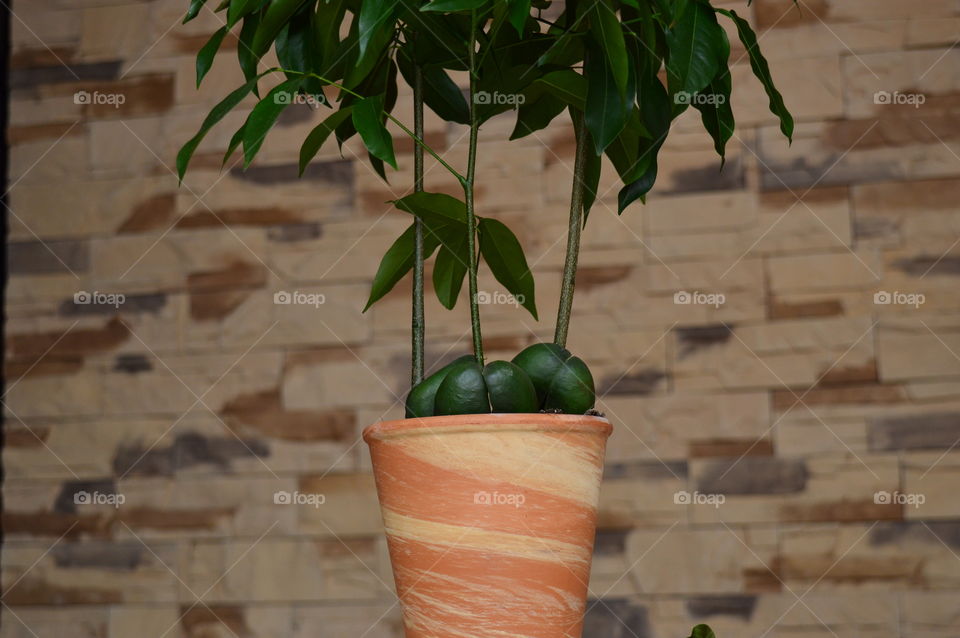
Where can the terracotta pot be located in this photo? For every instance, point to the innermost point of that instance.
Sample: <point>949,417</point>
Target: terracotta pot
<point>490,520</point>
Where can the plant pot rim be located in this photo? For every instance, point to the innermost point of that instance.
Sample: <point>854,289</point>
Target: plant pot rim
<point>487,422</point>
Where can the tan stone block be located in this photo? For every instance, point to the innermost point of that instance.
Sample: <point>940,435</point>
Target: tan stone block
<point>686,561</point>
<point>926,71</point>
<point>851,151</point>
<point>347,382</point>
<point>277,569</point>
<point>111,32</point>
<point>926,31</point>
<point>641,494</point>
<point>47,161</point>
<point>381,620</point>
<point>862,35</point>
<point>812,88</point>
<point>53,24</point>
<point>84,621</point>
<point>76,394</point>
<point>825,271</point>
<point>916,348</point>
<point>350,508</point>
<point>132,620</point>
<point>838,487</point>
<point>790,353</point>
<point>932,481</point>
<point>337,321</point>
<point>663,427</point>
<point>89,572</point>
<point>60,450</point>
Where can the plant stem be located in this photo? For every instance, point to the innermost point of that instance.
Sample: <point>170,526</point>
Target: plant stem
<point>573,233</point>
<point>468,197</point>
<point>418,325</point>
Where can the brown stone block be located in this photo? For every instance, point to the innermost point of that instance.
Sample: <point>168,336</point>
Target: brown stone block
<point>51,131</point>
<point>263,412</point>
<point>152,213</point>
<point>840,511</point>
<point>35,591</point>
<point>787,13</point>
<point>82,341</point>
<point>706,448</point>
<point>142,95</point>
<point>851,569</point>
<point>778,308</point>
<point>268,216</point>
<point>844,395</point>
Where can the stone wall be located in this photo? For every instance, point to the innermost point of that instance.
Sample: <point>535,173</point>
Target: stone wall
<point>822,414</point>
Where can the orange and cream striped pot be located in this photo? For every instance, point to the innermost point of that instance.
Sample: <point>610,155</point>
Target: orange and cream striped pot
<point>490,520</point>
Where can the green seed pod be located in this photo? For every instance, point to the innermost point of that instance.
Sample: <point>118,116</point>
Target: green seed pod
<point>509,388</point>
<point>421,398</point>
<point>571,390</point>
<point>463,391</point>
<point>541,362</point>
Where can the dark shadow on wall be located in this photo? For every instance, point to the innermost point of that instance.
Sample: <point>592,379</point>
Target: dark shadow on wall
<point>5,43</point>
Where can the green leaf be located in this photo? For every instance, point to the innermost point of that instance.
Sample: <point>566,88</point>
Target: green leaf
<point>702,631</point>
<point>607,110</point>
<point>715,109</point>
<point>278,14</point>
<point>536,115</point>
<point>329,17</point>
<point>502,251</point>
<point>397,262</point>
<point>656,112</point>
<point>238,9</point>
<point>762,70</point>
<point>194,10</point>
<point>440,92</point>
<point>566,85</point>
<point>232,146</point>
<point>208,52</point>
<point>637,189</point>
<point>451,265</point>
<point>695,44</point>
<point>216,114</point>
<point>245,56</point>
<point>624,152</point>
<point>319,135</point>
<point>368,120</point>
<point>519,12</point>
<point>449,6</point>
<point>608,36</point>
<point>374,15</point>
<point>264,115</point>
<point>435,209</point>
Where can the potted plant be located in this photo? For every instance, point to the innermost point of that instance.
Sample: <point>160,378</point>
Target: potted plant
<point>489,486</point>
